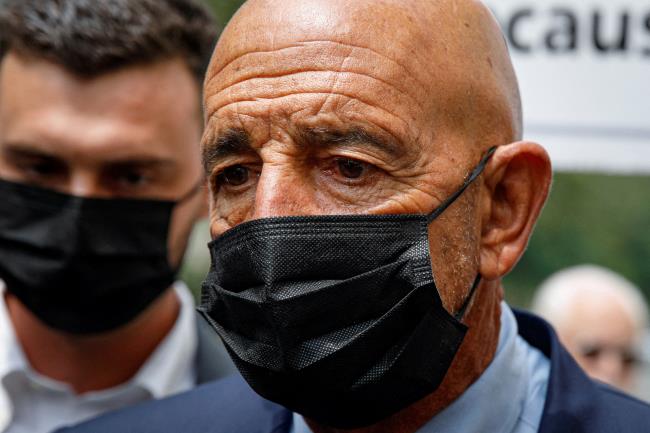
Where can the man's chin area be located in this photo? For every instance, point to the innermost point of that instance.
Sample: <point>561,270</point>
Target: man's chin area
<point>410,418</point>
<point>473,357</point>
<point>161,312</point>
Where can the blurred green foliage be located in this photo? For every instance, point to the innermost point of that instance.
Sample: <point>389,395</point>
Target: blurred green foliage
<point>223,9</point>
<point>589,218</point>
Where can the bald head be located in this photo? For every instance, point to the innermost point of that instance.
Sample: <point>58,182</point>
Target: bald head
<point>592,288</point>
<point>444,61</point>
<point>415,88</point>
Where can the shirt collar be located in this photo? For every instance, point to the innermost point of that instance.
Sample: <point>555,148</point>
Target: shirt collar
<point>168,370</point>
<point>12,357</point>
<point>171,367</point>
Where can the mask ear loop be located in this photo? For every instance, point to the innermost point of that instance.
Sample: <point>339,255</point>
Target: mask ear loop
<point>463,309</point>
<point>471,178</point>
<point>448,202</point>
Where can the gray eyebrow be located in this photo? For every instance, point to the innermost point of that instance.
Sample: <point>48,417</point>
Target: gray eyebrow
<point>237,141</point>
<point>231,142</point>
<point>324,136</point>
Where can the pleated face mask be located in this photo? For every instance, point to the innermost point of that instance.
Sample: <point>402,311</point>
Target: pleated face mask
<point>337,318</point>
<point>83,265</point>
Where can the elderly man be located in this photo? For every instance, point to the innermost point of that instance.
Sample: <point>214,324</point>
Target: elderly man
<point>600,317</point>
<point>369,190</point>
<point>100,185</point>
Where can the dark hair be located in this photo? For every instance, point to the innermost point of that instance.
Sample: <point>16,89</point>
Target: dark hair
<point>92,37</point>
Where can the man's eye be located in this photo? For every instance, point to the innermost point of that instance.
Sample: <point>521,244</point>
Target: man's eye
<point>591,351</point>
<point>235,175</point>
<point>127,177</point>
<point>629,357</point>
<point>44,168</point>
<point>350,168</point>
<point>133,178</point>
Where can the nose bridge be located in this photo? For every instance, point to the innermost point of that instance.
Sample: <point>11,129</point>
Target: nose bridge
<point>282,191</point>
<point>84,183</point>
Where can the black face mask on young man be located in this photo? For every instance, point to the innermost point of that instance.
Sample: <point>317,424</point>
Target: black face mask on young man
<point>337,318</point>
<point>83,265</point>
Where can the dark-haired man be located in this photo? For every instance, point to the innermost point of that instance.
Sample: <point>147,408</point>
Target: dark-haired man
<point>100,185</point>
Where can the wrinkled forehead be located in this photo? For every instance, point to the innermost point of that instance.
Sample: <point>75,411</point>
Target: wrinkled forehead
<point>440,59</point>
<point>269,25</point>
<point>382,31</point>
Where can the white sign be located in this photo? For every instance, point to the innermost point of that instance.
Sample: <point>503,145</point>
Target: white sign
<point>584,73</point>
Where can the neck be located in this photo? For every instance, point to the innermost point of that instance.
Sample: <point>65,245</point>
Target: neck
<point>475,354</point>
<point>93,363</point>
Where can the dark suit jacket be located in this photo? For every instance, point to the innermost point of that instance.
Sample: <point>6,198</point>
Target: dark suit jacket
<point>574,403</point>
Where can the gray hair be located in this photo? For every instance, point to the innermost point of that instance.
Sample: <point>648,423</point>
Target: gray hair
<point>557,293</point>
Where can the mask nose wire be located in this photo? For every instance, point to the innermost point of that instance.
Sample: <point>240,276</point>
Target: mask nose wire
<point>471,178</point>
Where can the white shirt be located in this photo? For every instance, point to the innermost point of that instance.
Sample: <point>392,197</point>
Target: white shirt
<point>32,403</point>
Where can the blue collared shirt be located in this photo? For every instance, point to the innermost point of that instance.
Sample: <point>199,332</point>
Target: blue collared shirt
<point>508,397</point>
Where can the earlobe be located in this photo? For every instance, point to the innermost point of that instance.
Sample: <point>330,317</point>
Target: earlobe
<point>517,180</point>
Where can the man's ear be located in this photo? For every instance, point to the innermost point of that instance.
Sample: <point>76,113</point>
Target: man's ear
<point>517,179</point>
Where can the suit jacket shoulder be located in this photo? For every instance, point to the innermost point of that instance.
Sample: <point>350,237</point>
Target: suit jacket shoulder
<point>632,415</point>
<point>225,406</point>
<point>574,402</point>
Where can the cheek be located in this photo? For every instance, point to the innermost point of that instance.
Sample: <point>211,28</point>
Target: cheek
<point>229,211</point>
<point>7,171</point>
<point>335,195</point>
<point>454,246</point>
<point>183,219</point>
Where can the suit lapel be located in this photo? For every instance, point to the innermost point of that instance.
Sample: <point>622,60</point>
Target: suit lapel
<point>571,398</point>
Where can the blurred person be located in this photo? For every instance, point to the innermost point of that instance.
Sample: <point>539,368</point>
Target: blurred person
<point>600,317</point>
<point>100,185</point>
<point>369,189</point>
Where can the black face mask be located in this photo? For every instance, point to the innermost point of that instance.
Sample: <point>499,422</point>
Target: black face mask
<point>337,318</point>
<point>83,265</point>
